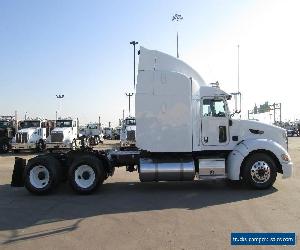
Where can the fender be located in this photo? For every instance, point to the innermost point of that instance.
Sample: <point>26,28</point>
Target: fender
<point>244,148</point>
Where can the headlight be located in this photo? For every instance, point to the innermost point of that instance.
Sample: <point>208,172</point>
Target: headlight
<point>285,157</point>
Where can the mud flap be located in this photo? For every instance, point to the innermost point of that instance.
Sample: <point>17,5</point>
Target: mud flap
<point>17,179</point>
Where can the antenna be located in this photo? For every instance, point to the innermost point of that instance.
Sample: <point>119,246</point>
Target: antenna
<point>238,76</point>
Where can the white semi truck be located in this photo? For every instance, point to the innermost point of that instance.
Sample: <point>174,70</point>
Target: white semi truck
<point>32,135</point>
<point>184,132</point>
<point>128,131</point>
<point>93,133</point>
<point>64,135</point>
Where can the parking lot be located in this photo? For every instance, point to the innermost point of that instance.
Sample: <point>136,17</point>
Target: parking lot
<point>127,214</point>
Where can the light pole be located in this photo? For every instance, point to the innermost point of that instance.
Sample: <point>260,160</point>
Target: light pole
<point>59,97</point>
<point>129,95</point>
<point>177,18</point>
<point>134,43</point>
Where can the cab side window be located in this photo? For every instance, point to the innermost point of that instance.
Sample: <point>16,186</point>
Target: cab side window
<point>213,107</point>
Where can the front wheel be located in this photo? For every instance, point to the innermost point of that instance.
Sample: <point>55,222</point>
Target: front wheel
<point>4,147</point>
<point>259,171</point>
<point>73,145</point>
<point>40,146</point>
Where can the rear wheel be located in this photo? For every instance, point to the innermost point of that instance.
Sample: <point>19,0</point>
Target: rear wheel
<point>40,146</point>
<point>86,174</point>
<point>42,174</point>
<point>259,171</point>
<point>73,145</point>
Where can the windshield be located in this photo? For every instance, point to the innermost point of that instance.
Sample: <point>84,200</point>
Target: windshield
<point>64,123</point>
<point>130,121</point>
<point>92,126</point>
<point>4,124</point>
<point>30,124</point>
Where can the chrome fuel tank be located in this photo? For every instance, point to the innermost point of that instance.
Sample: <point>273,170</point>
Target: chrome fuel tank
<point>150,170</point>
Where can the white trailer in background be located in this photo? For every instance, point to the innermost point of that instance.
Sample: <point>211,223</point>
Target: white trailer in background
<point>184,132</point>
<point>32,135</point>
<point>127,133</point>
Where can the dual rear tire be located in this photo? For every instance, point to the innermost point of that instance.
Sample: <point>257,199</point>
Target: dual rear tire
<point>44,173</point>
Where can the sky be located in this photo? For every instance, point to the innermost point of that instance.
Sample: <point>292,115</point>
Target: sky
<point>81,49</point>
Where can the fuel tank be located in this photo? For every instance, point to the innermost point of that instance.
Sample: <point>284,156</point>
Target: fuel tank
<point>154,170</point>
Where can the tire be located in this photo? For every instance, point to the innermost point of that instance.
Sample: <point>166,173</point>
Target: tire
<point>40,146</point>
<point>42,174</point>
<point>259,171</point>
<point>4,147</point>
<point>73,145</point>
<point>86,174</point>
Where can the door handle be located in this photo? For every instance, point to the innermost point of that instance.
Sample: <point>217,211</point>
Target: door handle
<point>205,139</point>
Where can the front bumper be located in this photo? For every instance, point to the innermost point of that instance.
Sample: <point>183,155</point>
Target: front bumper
<point>19,146</point>
<point>287,170</point>
<point>58,145</point>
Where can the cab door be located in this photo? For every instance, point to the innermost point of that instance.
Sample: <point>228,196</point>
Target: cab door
<point>214,121</point>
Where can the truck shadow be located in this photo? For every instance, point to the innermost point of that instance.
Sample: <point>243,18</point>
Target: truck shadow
<point>20,209</point>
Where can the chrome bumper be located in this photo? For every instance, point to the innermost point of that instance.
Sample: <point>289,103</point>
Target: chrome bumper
<point>18,146</point>
<point>287,170</point>
<point>57,145</point>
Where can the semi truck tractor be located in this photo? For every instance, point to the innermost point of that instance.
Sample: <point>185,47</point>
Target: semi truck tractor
<point>93,133</point>
<point>32,135</point>
<point>128,130</point>
<point>65,135</point>
<point>7,132</point>
<point>184,132</point>
<point>108,133</point>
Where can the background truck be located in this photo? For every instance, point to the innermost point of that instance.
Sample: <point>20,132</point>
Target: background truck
<point>32,135</point>
<point>127,134</point>
<point>108,133</point>
<point>184,132</point>
<point>93,133</point>
<point>65,135</point>
<point>7,132</point>
<point>117,133</point>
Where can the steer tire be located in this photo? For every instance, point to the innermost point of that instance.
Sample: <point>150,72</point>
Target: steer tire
<point>261,159</point>
<point>92,168</point>
<point>50,171</point>
<point>40,146</point>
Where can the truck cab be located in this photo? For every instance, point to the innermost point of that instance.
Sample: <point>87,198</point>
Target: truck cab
<point>127,133</point>
<point>93,132</point>
<point>108,133</point>
<point>32,135</point>
<point>7,132</point>
<point>64,135</point>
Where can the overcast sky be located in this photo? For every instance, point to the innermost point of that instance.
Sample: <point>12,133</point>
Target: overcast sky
<point>81,49</point>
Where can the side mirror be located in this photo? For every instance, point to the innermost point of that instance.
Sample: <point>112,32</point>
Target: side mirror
<point>237,103</point>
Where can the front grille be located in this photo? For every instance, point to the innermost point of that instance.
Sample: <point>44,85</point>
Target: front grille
<point>131,135</point>
<point>57,137</point>
<point>21,138</point>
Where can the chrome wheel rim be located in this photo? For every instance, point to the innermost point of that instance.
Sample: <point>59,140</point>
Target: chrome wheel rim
<point>85,176</point>
<point>260,172</point>
<point>39,176</point>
